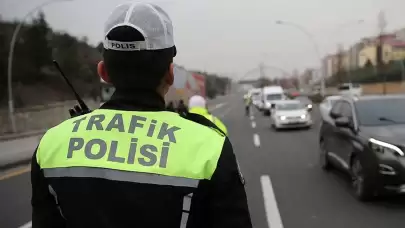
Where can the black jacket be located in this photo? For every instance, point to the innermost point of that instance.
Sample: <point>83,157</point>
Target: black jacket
<point>100,203</point>
<point>182,108</point>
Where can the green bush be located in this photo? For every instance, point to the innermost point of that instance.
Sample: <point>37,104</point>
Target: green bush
<point>316,98</point>
<point>390,72</point>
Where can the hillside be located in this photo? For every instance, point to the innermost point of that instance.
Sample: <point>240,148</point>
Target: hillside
<point>35,79</point>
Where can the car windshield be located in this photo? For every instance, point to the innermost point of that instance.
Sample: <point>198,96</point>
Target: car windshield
<point>303,99</point>
<point>270,97</point>
<point>332,102</point>
<point>380,112</point>
<point>289,106</point>
<point>344,87</point>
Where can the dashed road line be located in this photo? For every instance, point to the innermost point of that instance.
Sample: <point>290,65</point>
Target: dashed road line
<point>27,225</point>
<point>270,203</point>
<point>253,124</point>
<point>256,140</point>
<point>217,106</point>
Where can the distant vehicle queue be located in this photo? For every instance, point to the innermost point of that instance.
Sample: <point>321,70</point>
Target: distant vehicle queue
<point>361,135</point>
<point>284,113</point>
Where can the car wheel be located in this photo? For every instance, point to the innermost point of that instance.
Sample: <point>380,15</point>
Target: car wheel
<point>360,182</point>
<point>324,158</point>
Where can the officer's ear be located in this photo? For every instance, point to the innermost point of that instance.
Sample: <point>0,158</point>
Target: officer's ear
<point>102,72</point>
<point>169,78</point>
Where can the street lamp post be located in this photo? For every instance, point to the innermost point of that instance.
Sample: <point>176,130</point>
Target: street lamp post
<point>10,60</point>
<point>315,46</point>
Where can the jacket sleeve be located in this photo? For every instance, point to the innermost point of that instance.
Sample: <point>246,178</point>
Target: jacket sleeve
<point>221,202</point>
<point>45,213</point>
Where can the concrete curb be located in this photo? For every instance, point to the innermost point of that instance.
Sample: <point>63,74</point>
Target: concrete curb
<point>21,135</point>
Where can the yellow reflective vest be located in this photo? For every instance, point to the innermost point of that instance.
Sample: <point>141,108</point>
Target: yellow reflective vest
<point>118,142</point>
<point>213,119</point>
<point>248,101</point>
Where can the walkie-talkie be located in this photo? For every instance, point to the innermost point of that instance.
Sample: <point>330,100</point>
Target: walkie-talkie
<point>77,110</point>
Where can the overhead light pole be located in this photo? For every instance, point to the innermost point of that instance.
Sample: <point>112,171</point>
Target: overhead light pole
<point>10,60</point>
<point>314,44</point>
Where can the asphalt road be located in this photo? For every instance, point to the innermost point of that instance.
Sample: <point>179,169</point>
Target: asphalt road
<point>285,185</point>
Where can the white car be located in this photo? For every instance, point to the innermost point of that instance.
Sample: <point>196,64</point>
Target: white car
<point>326,105</point>
<point>350,89</point>
<point>290,114</point>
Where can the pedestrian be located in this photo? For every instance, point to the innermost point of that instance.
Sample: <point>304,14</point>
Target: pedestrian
<point>198,105</point>
<point>130,163</point>
<point>170,107</point>
<point>182,108</point>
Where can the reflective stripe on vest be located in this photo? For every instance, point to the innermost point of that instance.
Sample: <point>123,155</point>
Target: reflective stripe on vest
<point>159,143</point>
<point>110,174</point>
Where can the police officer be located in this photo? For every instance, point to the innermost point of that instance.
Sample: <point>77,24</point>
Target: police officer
<point>198,105</point>
<point>181,108</point>
<point>131,163</point>
<point>248,104</point>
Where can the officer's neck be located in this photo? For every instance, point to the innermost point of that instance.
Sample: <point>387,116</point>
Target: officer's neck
<point>137,99</point>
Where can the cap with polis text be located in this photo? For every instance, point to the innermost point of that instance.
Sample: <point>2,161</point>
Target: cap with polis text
<point>148,19</point>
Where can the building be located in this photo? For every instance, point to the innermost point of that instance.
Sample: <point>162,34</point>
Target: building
<point>393,49</point>
<point>307,75</point>
<point>345,61</point>
<point>353,53</point>
<point>400,34</point>
<point>329,65</point>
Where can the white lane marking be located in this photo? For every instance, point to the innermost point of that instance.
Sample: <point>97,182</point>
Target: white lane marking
<point>217,106</point>
<point>253,124</point>
<point>256,140</point>
<point>270,203</point>
<point>28,225</point>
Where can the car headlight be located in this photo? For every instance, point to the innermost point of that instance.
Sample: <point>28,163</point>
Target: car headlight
<point>282,117</point>
<point>383,147</point>
<point>303,116</point>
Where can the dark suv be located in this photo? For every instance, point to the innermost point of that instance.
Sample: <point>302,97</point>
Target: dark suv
<point>365,137</point>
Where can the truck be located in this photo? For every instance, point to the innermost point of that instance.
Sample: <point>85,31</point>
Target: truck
<point>269,95</point>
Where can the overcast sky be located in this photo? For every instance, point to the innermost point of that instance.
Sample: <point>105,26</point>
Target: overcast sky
<point>233,36</point>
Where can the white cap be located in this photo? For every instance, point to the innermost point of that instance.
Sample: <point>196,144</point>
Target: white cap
<point>149,19</point>
<point>197,101</point>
